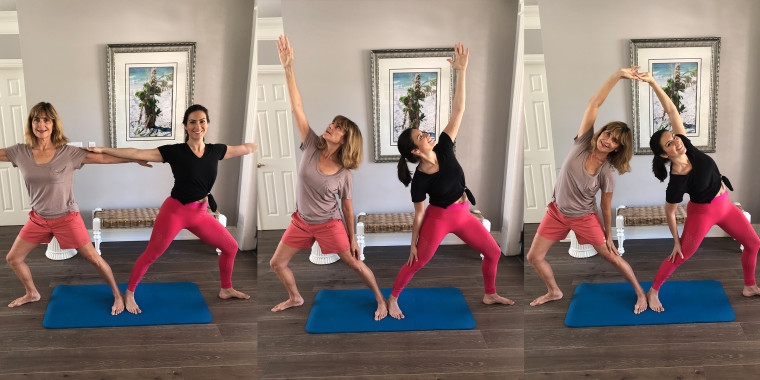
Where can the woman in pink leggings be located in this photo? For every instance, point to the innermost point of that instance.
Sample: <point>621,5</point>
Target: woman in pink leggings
<point>439,175</point>
<point>194,165</point>
<point>694,172</point>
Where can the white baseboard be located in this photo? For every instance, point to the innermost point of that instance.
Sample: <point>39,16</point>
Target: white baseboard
<point>143,234</point>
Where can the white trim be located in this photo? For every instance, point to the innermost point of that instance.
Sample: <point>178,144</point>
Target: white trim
<point>533,58</point>
<point>9,22</point>
<point>269,28</point>
<point>10,63</point>
<point>143,234</point>
<point>532,19</point>
<point>269,69</point>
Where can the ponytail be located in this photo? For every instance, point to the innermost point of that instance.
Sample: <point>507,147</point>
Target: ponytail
<point>658,162</point>
<point>658,167</point>
<point>404,175</point>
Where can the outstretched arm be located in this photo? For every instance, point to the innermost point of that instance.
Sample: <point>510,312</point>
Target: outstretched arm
<point>667,104</point>
<point>100,158</point>
<point>286,58</point>
<point>419,216</point>
<point>150,155</point>
<point>348,216</point>
<point>589,117</point>
<point>607,217</point>
<point>459,64</point>
<point>240,150</point>
<point>3,156</point>
<point>670,214</point>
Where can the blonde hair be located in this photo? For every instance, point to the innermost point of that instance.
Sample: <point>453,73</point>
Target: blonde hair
<point>621,157</point>
<point>350,154</point>
<point>56,135</point>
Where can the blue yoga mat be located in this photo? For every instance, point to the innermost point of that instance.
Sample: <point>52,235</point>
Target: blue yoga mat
<point>343,311</point>
<point>171,303</point>
<point>684,302</point>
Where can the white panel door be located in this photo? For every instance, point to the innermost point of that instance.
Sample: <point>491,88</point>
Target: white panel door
<point>14,199</point>
<point>277,173</point>
<point>539,151</point>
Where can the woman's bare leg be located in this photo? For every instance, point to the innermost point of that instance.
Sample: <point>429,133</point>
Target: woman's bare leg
<point>15,259</point>
<point>91,255</point>
<point>537,258</point>
<point>279,263</point>
<point>624,269</point>
<point>369,279</point>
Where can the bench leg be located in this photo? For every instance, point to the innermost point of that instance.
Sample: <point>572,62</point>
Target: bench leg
<point>223,220</point>
<point>620,227</point>
<point>96,237</point>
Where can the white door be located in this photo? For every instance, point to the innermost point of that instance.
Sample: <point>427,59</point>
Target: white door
<point>14,199</point>
<point>277,172</point>
<point>539,151</point>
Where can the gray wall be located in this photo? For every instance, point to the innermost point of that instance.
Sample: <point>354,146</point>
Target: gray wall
<point>10,46</point>
<point>332,40</point>
<point>7,5</point>
<point>584,41</point>
<point>63,47</point>
<point>533,41</point>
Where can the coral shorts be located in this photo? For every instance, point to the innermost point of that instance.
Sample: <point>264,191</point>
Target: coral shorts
<point>555,226</point>
<point>68,229</point>
<point>331,236</point>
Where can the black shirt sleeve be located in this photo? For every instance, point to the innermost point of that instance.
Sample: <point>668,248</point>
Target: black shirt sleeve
<point>419,186</point>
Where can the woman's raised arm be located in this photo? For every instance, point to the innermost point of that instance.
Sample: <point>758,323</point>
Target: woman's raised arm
<point>296,105</point>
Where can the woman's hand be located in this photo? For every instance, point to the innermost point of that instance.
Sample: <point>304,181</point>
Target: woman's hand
<point>285,51</point>
<point>629,72</point>
<point>412,256</point>
<point>676,250</point>
<point>355,251</point>
<point>460,57</point>
<point>144,163</point>
<point>611,246</point>
<point>94,149</point>
<point>646,77</point>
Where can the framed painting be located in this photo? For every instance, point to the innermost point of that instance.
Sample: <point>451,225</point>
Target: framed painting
<point>411,88</point>
<point>149,88</point>
<point>687,69</point>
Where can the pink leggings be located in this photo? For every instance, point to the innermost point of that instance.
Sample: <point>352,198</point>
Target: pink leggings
<point>172,218</point>
<point>699,218</point>
<point>456,219</point>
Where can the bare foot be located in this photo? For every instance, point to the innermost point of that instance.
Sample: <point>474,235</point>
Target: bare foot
<point>653,297</point>
<point>490,299</point>
<point>393,308</point>
<point>287,304</point>
<point>232,293</point>
<point>27,298</point>
<point>550,296</point>
<point>750,291</point>
<point>641,304</point>
<point>382,310</point>
<point>118,305</point>
<point>129,302</point>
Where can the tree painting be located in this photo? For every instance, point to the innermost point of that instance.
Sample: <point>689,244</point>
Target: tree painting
<point>680,81</point>
<point>415,102</point>
<point>150,101</point>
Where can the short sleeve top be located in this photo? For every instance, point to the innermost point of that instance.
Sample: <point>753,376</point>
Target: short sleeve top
<point>193,176</point>
<point>575,191</point>
<point>50,185</point>
<point>446,185</point>
<point>317,193</point>
<point>702,183</point>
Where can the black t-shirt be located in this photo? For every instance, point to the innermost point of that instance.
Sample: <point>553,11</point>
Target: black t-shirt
<point>702,182</point>
<point>447,184</point>
<point>193,176</point>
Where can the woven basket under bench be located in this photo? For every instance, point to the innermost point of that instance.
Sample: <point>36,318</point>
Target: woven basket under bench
<point>636,217</point>
<point>384,229</point>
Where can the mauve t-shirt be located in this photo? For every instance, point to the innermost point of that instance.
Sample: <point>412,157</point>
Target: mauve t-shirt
<point>315,191</point>
<point>575,191</point>
<point>50,185</point>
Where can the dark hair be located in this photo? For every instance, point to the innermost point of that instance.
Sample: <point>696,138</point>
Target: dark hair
<point>405,147</point>
<point>191,109</point>
<point>658,162</point>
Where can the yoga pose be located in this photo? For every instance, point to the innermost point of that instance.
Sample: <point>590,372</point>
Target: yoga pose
<point>323,174</point>
<point>694,172</point>
<point>47,165</point>
<point>194,165</point>
<point>589,166</point>
<point>440,175</point>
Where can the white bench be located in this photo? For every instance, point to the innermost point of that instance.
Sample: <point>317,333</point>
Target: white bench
<point>647,222</point>
<point>385,229</point>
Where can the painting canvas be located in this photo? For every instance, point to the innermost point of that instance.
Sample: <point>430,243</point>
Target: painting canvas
<point>151,101</point>
<point>415,101</point>
<point>411,88</point>
<point>687,70</point>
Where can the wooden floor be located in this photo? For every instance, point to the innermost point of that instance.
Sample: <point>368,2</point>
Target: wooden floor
<point>493,350</point>
<point>225,348</point>
<point>684,351</point>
